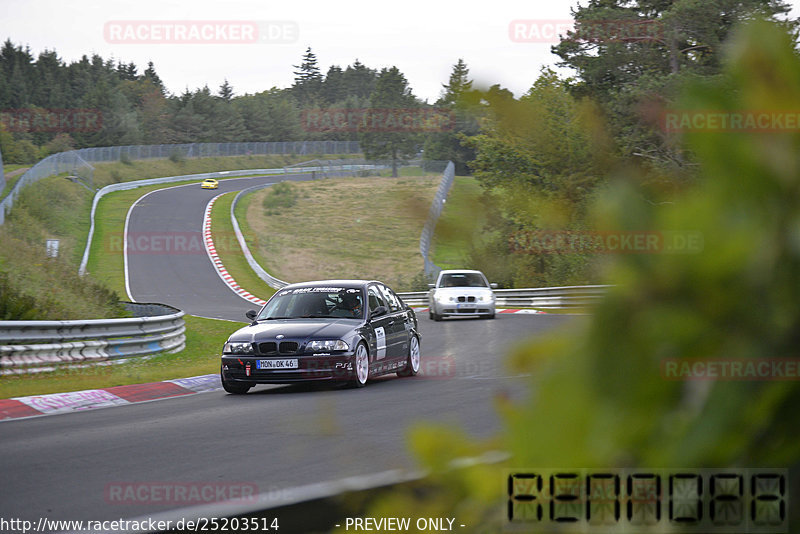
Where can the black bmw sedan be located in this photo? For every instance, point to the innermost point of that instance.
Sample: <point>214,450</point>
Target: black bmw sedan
<point>331,330</point>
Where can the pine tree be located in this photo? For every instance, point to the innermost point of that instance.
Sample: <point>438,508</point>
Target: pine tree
<point>359,80</point>
<point>382,135</point>
<point>458,85</point>
<point>226,91</point>
<point>150,74</point>
<point>308,79</point>
<point>458,116</point>
<point>333,88</point>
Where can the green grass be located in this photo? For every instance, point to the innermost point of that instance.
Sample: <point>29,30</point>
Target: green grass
<point>204,340</point>
<point>231,253</point>
<point>461,224</point>
<point>57,208</point>
<point>10,181</point>
<point>343,228</point>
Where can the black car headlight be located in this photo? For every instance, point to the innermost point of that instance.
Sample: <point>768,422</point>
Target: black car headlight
<point>328,345</point>
<point>234,347</point>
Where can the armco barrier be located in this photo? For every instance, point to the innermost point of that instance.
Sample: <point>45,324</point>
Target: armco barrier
<point>273,282</point>
<point>2,174</point>
<point>31,346</point>
<point>544,297</point>
<point>425,239</point>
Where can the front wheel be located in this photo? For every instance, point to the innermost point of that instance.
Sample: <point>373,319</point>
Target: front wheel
<point>412,362</point>
<point>235,389</point>
<point>360,367</point>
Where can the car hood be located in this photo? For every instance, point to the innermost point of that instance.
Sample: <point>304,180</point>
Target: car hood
<point>296,329</point>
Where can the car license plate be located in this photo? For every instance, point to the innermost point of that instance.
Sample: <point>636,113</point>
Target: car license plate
<point>466,305</point>
<point>277,364</point>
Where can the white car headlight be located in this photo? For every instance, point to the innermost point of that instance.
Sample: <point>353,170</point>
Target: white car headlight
<point>328,345</point>
<point>233,347</point>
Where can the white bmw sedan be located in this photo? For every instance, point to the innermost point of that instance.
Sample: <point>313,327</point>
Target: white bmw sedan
<point>461,292</point>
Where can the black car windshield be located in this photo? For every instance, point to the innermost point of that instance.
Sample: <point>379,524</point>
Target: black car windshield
<point>463,280</point>
<point>314,302</point>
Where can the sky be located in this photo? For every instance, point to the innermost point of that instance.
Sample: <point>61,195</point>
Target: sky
<point>254,44</point>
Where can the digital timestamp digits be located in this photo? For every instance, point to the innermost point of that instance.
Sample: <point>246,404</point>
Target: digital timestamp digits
<point>647,500</point>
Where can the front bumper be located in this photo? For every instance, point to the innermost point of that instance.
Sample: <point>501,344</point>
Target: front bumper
<point>453,308</point>
<point>310,368</point>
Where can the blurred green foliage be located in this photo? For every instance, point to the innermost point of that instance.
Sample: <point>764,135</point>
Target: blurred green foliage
<point>598,397</point>
<point>540,160</point>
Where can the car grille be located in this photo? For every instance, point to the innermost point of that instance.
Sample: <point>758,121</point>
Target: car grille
<point>271,347</point>
<point>466,299</point>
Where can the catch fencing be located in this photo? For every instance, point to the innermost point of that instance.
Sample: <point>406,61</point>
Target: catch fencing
<point>36,346</point>
<point>78,163</point>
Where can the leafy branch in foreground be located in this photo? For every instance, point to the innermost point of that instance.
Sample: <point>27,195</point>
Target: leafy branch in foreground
<point>599,396</point>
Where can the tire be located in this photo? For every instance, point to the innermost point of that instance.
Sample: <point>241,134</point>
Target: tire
<point>360,367</point>
<point>413,359</point>
<point>487,316</point>
<point>234,389</point>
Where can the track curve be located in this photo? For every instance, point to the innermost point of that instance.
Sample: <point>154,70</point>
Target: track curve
<point>274,438</point>
<point>165,257</point>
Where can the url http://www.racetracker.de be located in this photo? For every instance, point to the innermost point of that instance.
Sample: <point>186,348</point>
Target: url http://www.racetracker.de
<point>203,524</point>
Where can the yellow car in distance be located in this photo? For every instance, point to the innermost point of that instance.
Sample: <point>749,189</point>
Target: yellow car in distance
<point>209,183</point>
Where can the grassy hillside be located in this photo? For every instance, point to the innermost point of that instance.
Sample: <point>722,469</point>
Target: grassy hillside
<point>56,208</point>
<point>341,228</point>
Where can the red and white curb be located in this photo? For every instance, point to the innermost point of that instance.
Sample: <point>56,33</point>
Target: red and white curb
<point>214,257</point>
<point>59,403</point>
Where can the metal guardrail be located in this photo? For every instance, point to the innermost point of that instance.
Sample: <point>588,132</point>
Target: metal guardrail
<point>273,282</point>
<point>425,239</point>
<point>2,174</point>
<point>544,297</point>
<point>35,346</point>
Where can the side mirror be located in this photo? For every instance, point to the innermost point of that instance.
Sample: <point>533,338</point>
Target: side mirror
<point>431,286</point>
<point>380,310</point>
<point>493,285</point>
<point>251,314</point>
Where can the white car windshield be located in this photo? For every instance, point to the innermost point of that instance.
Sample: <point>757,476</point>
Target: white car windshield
<point>462,280</point>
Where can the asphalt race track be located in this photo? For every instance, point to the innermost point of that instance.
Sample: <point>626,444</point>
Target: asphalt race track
<point>183,276</point>
<point>273,438</point>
